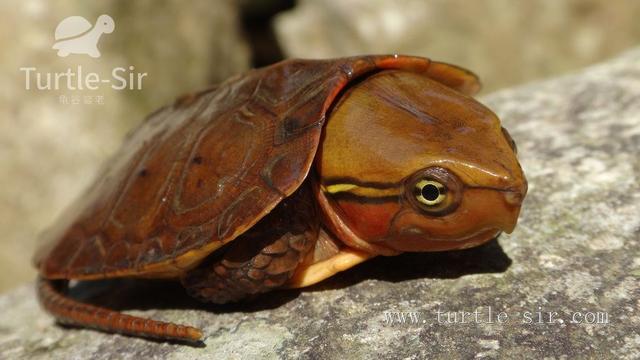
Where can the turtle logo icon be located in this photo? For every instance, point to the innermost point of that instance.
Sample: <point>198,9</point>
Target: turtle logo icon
<point>76,35</point>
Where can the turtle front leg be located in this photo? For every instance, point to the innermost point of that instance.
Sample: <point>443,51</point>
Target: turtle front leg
<point>330,257</point>
<point>263,258</point>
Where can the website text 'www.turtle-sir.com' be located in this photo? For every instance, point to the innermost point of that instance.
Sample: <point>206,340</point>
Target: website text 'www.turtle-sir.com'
<point>490,315</point>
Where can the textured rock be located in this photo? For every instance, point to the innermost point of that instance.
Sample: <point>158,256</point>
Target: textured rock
<point>50,150</point>
<point>505,42</point>
<point>576,250</point>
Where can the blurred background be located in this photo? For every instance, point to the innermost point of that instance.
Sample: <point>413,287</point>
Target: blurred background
<point>53,140</point>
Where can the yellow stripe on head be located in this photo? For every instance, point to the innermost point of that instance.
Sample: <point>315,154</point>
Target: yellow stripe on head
<point>364,191</point>
<point>335,188</point>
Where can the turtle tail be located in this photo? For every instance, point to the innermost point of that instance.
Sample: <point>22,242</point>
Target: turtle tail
<point>71,312</point>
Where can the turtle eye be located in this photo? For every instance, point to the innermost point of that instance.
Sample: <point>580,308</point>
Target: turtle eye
<point>434,191</point>
<point>430,192</point>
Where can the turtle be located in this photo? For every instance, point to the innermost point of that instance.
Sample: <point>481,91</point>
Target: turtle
<point>282,177</point>
<point>75,35</point>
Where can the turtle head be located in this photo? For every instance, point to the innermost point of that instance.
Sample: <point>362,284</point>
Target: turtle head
<point>105,24</point>
<point>408,164</point>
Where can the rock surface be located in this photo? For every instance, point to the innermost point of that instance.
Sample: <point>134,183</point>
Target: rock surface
<point>575,253</point>
<point>505,42</point>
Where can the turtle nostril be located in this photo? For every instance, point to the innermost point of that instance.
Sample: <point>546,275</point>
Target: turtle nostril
<point>513,197</point>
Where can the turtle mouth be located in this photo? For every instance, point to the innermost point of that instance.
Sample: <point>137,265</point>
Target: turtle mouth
<point>416,240</point>
<point>479,238</point>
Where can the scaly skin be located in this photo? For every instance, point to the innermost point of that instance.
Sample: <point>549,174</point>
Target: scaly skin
<point>72,312</point>
<point>262,259</point>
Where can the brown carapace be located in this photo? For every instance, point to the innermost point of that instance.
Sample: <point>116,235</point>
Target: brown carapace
<point>282,177</point>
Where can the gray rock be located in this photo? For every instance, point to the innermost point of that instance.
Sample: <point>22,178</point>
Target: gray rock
<point>575,251</point>
<point>505,42</point>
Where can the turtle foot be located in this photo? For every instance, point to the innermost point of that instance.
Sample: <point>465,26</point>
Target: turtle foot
<point>262,259</point>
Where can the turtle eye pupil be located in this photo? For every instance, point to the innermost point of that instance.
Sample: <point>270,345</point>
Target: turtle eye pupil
<point>430,192</point>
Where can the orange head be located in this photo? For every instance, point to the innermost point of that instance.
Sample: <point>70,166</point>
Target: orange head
<point>408,164</point>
